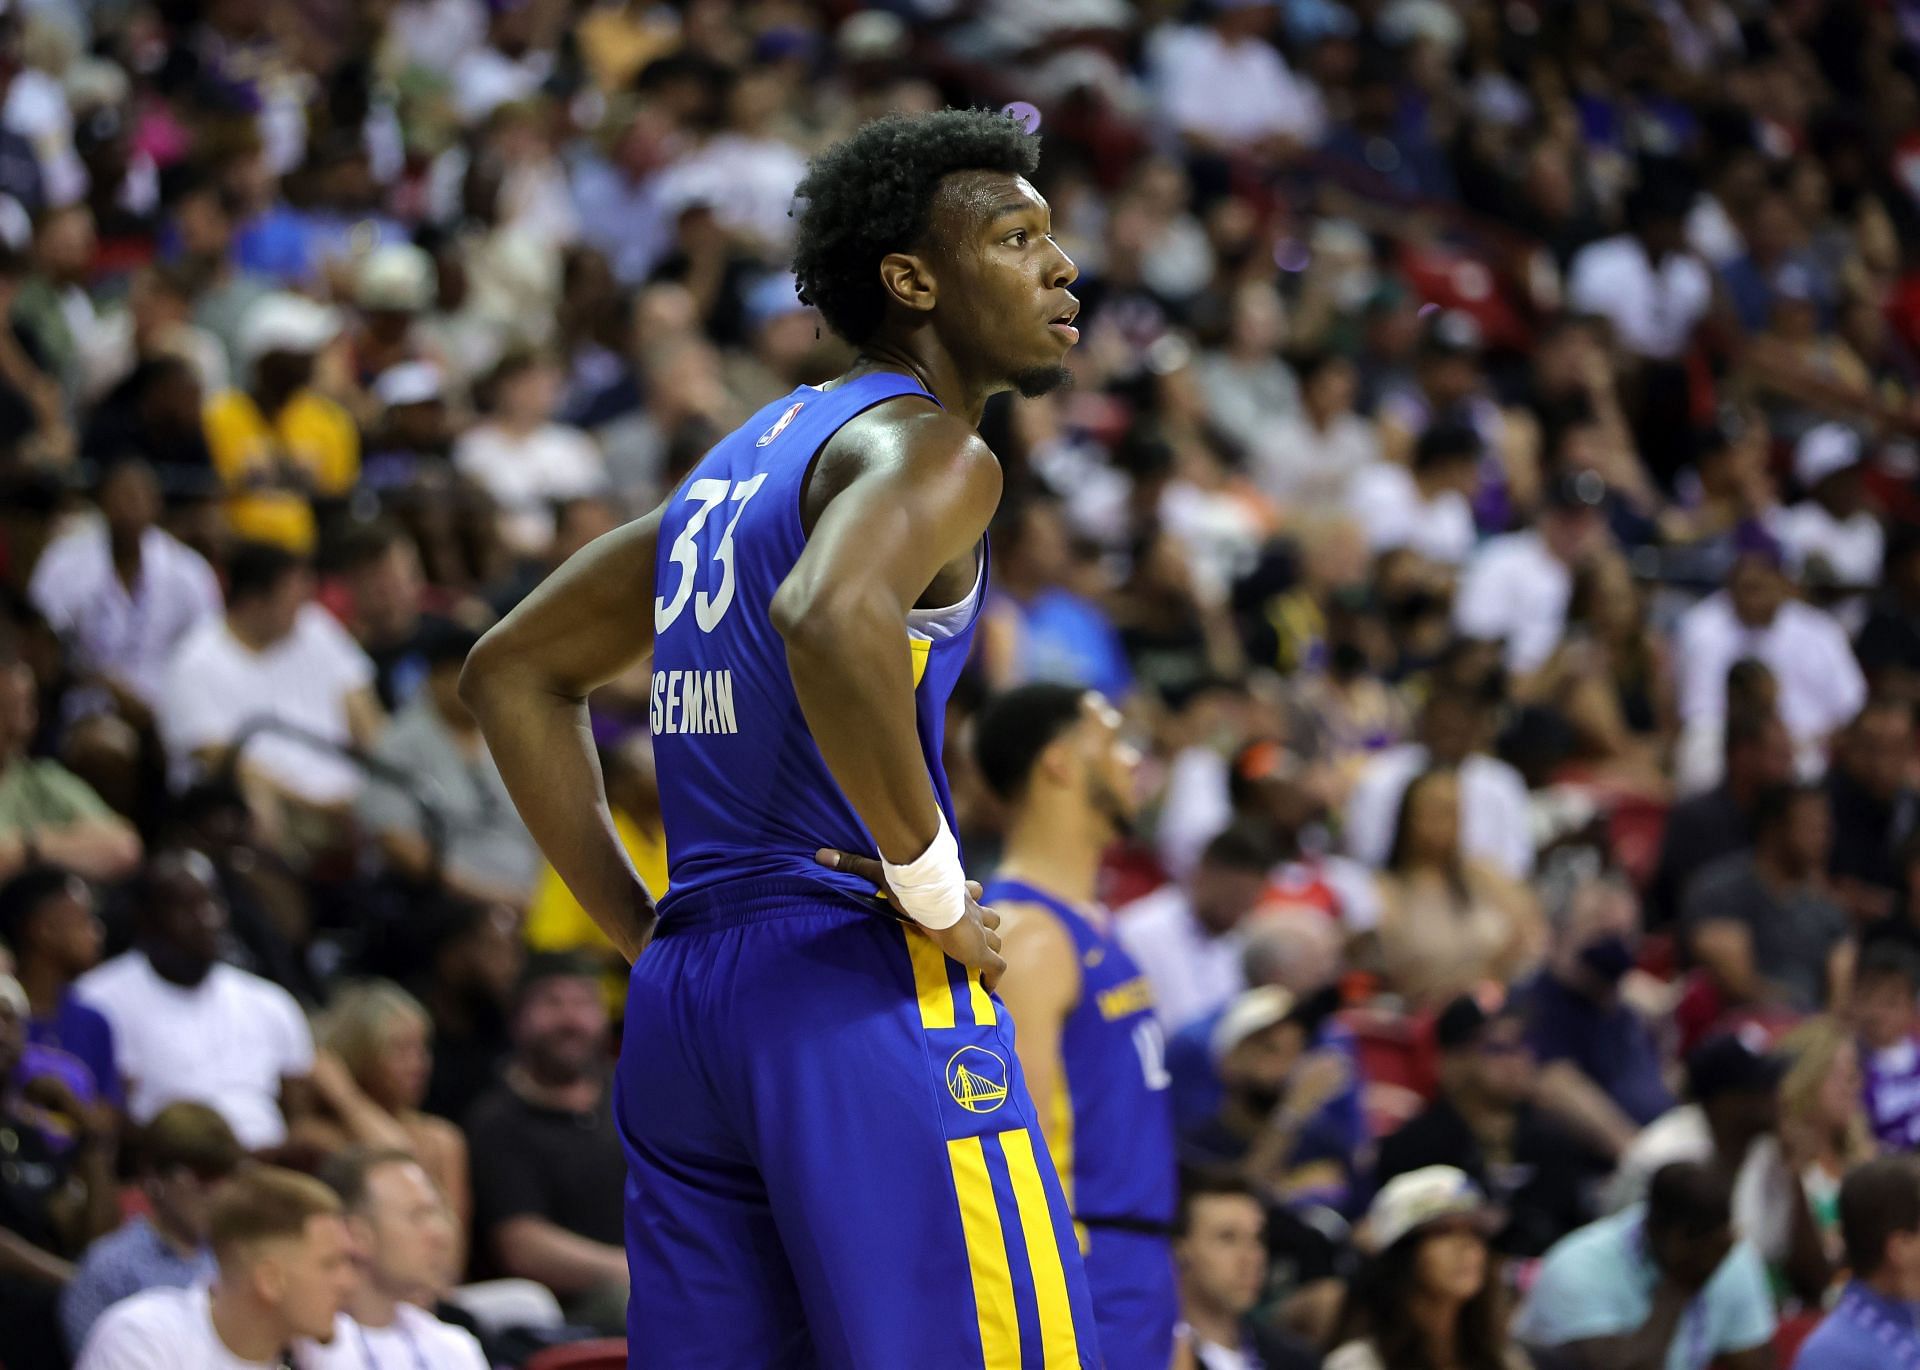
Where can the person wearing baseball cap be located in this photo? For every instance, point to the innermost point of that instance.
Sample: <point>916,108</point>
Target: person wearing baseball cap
<point>1733,1124</point>
<point>1428,1289</point>
<point>1832,536</point>
<point>1484,1124</point>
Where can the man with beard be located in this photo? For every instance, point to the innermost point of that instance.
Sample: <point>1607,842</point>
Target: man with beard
<point>1089,1043</point>
<point>546,1156</point>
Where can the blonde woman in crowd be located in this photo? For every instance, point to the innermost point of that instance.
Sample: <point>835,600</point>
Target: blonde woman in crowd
<point>1823,1118</point>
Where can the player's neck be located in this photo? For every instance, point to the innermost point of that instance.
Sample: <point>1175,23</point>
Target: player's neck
<point>930,364</point>
<point>1062,858</point>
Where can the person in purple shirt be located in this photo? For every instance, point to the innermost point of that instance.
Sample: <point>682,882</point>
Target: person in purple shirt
<point>1876,1324</point>
<point>47,919</point>
<point>1884,985</point>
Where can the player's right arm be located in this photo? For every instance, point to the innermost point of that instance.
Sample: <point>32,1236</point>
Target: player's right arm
<point>923,490</point>
<point>527,684</point>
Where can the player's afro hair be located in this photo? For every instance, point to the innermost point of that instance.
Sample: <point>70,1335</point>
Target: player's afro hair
<point>872,193</point>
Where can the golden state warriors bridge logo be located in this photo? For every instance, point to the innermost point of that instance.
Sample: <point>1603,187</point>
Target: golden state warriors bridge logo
<point>977,1079</point>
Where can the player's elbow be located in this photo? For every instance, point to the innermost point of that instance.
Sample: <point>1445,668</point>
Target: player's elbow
<point>816,622</point>
<point>480,675</point>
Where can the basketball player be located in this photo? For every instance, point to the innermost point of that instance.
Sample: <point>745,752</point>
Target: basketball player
<point>1090,1045</point>
<point>834,1160</point>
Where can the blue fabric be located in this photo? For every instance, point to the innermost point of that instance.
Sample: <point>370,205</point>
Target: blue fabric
<point>744,791</point>
<point>1608,1043</point>
<point>120,1265</point>
<point>1599,1282</point>
<point>1865,1331</point>
<point>791,1106</point>
<point>1065,637</point>
<point>1121,1161</point>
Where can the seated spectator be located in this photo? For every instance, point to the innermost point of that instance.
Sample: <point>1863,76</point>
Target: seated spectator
<point>1184,936</point>
<point>1310,459</point>
<point>371,1073</point>
<point>1733,1124</point>
<point>275,658</point>
<point>1448,922</point>
<point>546,1155</point>
<point>47,813</point>
<point>469,839</point>
<point>1873,1323</point>
<point>271,908</point>
<point>464,964</point>
<point>181,1157</point>
<point>523,459</point>
<point>1889,643</point>
<point>1484,1124</point>
<point>1455,727</point>
<point>1425,505</point>
<point>1517,587</point>
<point>1821,687</point>
<point>1220,1250</point>
<point>1761,923</point>
<point>386,612</point>
<point>1700,751</point>
<point>1719,822</point>
<point>1037,626</point>
<point>56,1193</point>
<point>188,1026</point>
<point>1874,808</point>
<point>1282,1079</point>
<point>1664,1285</point>
<point>285,1262</point>
<point>1578,1023</point>
<point>1823,1118</point>
<point>1832,539</point>
<point>1428,1290</point>
<point>278,443</point>
<point>122,592</point>
<point>405,1245</point>
<point>1882,1008</point>
<point>47,921</point>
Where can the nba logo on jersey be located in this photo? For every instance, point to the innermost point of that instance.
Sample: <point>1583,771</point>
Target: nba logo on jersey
<point>781,426</point>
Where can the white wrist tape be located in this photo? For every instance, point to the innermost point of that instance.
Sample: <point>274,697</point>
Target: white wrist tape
<point>931,888</point>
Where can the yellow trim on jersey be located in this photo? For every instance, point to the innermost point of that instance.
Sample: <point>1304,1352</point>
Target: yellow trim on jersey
<point>930,980</point>
<point>986,1255</point>
<point>920,647</point>
<point>983,1014</point>
<point>1057,1337</point>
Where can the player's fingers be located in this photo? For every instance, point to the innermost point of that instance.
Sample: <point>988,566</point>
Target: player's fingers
<point>988,917</point>
<point>992,939</point>
<point>865,867</point>
<point>992,970</point>
<point>975,889</point>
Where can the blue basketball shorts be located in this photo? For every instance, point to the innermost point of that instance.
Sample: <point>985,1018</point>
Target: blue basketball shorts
<point>833,1159</point>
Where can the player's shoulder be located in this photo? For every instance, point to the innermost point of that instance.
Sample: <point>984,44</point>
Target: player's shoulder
<point>913,431</point>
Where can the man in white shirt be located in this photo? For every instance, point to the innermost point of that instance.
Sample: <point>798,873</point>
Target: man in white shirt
<point>1831,537</point>
<point>1424,507</point>
<point>1185,936</point>
<point>1224,87</point>
<point>1820,681</point>
<point>275,657</point>
<point>187,1026</point>
<point>1494,821</point>
<point>1310,459</point>
<point>403,1239</point>
<point>1645,282</point>
<point>1517,586</point>
<point>122,592</point>
<point>286,1270</point>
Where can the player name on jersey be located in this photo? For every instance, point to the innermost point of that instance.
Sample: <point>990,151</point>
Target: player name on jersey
<point>693,702</point>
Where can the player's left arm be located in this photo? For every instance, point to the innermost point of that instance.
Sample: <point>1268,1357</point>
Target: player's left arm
<point>527,684</point>
<point>1040,987</point>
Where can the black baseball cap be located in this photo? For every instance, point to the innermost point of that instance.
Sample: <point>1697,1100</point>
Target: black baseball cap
<point>1732,1063</point>
<point>1463,1020</point>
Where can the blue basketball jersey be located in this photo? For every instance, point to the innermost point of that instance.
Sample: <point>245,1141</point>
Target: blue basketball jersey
<point>1112,1135</point>
<point>744,791</point>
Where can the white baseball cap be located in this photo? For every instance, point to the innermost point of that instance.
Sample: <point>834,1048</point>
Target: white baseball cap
<point>1825,450</point>
<point>398,276</point>
<point>409,383</point>
<point>1411,1201</point>
<point>1251,1011</point>
<point>286,322</point>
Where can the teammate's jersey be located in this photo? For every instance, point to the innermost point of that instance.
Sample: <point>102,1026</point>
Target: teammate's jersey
<point>744,792</point>
<point>1112,1138</point>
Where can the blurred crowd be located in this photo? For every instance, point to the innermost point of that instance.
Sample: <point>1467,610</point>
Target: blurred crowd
<point>1487,493</point>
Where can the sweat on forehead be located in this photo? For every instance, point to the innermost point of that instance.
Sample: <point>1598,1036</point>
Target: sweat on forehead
<point>967,201</point>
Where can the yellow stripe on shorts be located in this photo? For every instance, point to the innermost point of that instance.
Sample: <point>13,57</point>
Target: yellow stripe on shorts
<point>919,646</point>
<point>1057,1337</point>
<point>930,980</point>
<point>983,1014</point>
<point>986,1255</point>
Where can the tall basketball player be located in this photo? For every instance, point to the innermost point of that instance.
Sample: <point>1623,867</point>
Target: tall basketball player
<point>833,1158</point>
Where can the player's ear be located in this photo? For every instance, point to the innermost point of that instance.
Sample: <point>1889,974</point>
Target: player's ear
<point>908,279</point>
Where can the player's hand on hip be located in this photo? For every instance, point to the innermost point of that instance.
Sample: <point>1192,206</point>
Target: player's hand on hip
<point>973,941</point>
